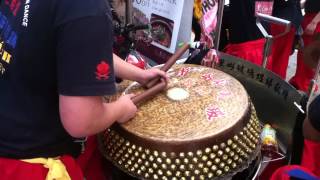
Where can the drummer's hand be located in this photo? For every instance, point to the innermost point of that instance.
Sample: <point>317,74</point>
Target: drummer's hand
<point>152,73</point>
<point>130,109</point>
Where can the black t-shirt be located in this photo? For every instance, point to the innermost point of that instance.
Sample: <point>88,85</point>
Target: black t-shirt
<point>49,48</point>
<point>312,6</point>
<point>289,10</point>
<point>242,21</point>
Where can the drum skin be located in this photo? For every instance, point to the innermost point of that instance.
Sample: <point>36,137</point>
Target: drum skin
<point>212,132</point>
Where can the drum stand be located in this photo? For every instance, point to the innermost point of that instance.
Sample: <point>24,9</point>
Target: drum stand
<point>269,38</point>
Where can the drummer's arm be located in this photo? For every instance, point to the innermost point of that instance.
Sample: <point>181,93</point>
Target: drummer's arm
<point>83,116</point>
<point>128,71</point>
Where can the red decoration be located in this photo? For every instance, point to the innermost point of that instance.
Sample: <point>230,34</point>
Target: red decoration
<point>213,113</point>
<point>184,71</point>
<point>136,61</point>
<point>103,71</point>
<point>207,77</point>
<point>220,82</point>
<point>223,94</point>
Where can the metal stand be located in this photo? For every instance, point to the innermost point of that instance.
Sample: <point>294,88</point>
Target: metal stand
<point>219,23</point>
<point>129,11</point>
<point>269,38</point>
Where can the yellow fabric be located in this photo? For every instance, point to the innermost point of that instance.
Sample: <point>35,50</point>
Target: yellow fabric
<point>197,9</point>
<point>57,170</point>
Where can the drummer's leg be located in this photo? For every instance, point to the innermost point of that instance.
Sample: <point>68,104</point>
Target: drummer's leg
<point>304,74</point>
<point>281,50</point>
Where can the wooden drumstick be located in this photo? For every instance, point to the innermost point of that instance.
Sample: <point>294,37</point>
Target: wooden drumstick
<point>171,61</point>
<point>149,93</point>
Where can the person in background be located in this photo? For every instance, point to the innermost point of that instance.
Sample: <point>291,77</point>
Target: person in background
<point>245,39</point>
<point>311,26</point>
<point>282,46</point>
<point>310,163</point>
<point>56,65</point>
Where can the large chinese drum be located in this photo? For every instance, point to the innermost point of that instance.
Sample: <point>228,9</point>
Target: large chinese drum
<point>203,126</point>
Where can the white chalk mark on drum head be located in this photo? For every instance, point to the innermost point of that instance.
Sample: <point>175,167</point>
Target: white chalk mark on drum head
<point>177,94</point>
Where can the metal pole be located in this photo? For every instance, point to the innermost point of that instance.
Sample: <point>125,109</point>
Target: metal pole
<point>219,23</point>
<point>129,12</point>
<point>267,50</point>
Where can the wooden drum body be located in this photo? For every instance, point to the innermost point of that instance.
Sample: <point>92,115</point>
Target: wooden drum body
<point>203,126</point>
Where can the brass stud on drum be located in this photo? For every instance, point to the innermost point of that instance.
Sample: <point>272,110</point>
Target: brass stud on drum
<point>210,175</point>
<point>204,158</point>
<point>164,166</point>
<point>212,156</point>
<point>143,168</point>
<point>219,172</point>
<point>154,165</point>
<point>199,153</point>
<point>164,154</point>
<point>217,160</point>
<point>196,172</point>
<point>215,148</point>
<point>155,176</point>
<point>202,177</point>
<point>214,168</point>
<point>139,172</point>
<point>224,157</point>
<point>195,160</point>
<point>150,170</point>
<point>221,165</point>
<point>147,164</point>
<point>139,161</point>
<point>185,160</point>
<point>178,174</point>
<point>233,165</point>
<point>147,151</point>
<point>231,153</point>
<point>223,145</point>
<point>168,161</point>
<point>168,173</point>
<point>136,165</point>
<point>207,150</point>
<point>177,161</point>
<point>182,167</point>
<point>151,158</point>
<point>190,154</point>
<point>146,175</point>
<point>191,166</point>
<point>160,173</point>
<point>159,160</point>
<point>200,165</point>
<point>156,153</point>
<point>187,173</point>
<point>205,170</point>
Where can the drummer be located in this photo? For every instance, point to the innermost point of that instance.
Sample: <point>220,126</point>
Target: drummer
<point>56,64</point>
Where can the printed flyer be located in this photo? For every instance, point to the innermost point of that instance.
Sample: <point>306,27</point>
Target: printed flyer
<point>170,24</point>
